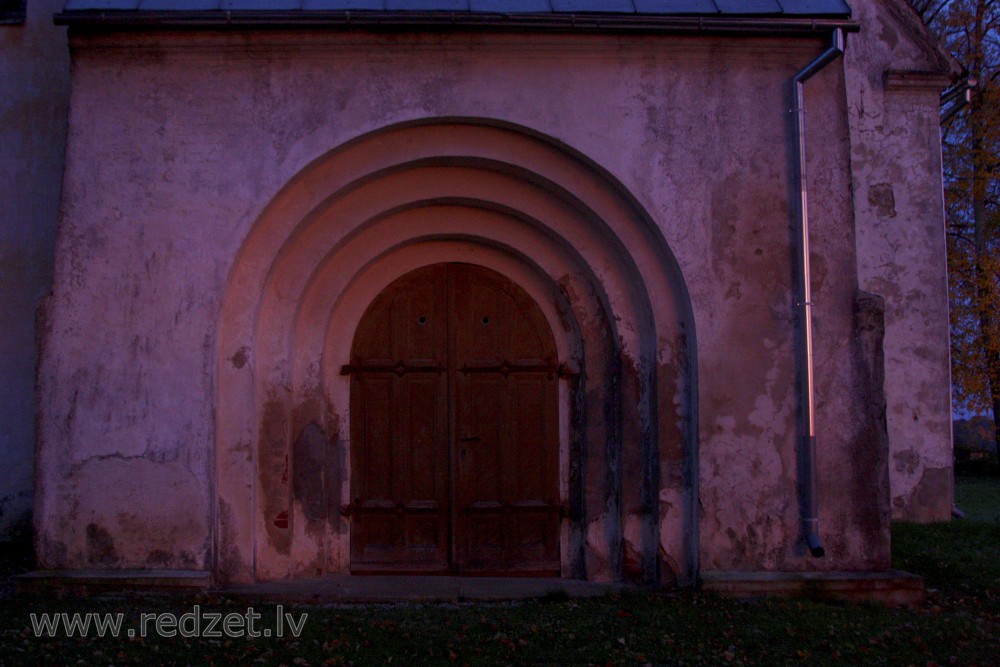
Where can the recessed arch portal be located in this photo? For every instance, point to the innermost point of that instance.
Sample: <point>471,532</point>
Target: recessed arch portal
<point>488,194</point>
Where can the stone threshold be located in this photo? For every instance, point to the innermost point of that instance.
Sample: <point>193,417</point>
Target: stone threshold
<point>72,583</point>
<point>890,587</point>
<point>334,588</point>
<point>424,588</point>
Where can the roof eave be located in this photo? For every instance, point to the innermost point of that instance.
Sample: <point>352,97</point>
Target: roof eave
<point>642,23</point>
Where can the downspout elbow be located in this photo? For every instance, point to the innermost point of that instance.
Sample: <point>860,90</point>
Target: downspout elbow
<point>835,50</point>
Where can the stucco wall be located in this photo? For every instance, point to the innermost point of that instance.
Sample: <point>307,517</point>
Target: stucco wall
<point>893,81</point>
<point>179,142</point>
<point>34,90</point>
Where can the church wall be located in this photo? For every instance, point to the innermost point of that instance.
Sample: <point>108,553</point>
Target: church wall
<point>180,142</point>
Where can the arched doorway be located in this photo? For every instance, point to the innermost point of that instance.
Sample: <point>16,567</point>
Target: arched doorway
<point>454,420</point>
<point>490,194</point>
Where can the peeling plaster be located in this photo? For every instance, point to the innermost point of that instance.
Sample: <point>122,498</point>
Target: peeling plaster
<point>895,164</point>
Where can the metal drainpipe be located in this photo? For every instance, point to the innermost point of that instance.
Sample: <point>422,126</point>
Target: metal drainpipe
<point>810,504</point>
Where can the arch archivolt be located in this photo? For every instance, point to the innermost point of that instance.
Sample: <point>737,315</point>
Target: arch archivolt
<point>455,191</point>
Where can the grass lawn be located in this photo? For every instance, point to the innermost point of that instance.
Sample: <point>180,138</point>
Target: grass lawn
<point>958,625</point>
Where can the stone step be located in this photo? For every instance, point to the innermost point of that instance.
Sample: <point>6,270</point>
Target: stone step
<point>67,583</point>
<point>892,587</point>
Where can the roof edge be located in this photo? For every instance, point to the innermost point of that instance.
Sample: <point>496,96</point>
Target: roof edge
<point>461,20</point>
<point>926,40</point>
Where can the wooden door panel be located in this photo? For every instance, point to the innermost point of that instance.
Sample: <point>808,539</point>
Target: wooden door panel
<point>407,323</point>
<point>421,453</point>
<point>426,538</point>
<point>533,526</point>
<point>376,397</point>
<point>399,429</point>
<point>507,500</point>
<point>480,315</point>
<point>420,321</point>
<point>529,436</point>
<point>480,433</point>
<point>453,428</point>
<point>479,468</point>
<point>401,487</point>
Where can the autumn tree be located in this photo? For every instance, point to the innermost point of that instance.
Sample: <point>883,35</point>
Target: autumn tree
<point>970,29</point>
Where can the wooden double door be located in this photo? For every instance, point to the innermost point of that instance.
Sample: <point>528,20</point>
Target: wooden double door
<point>454,428</point>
